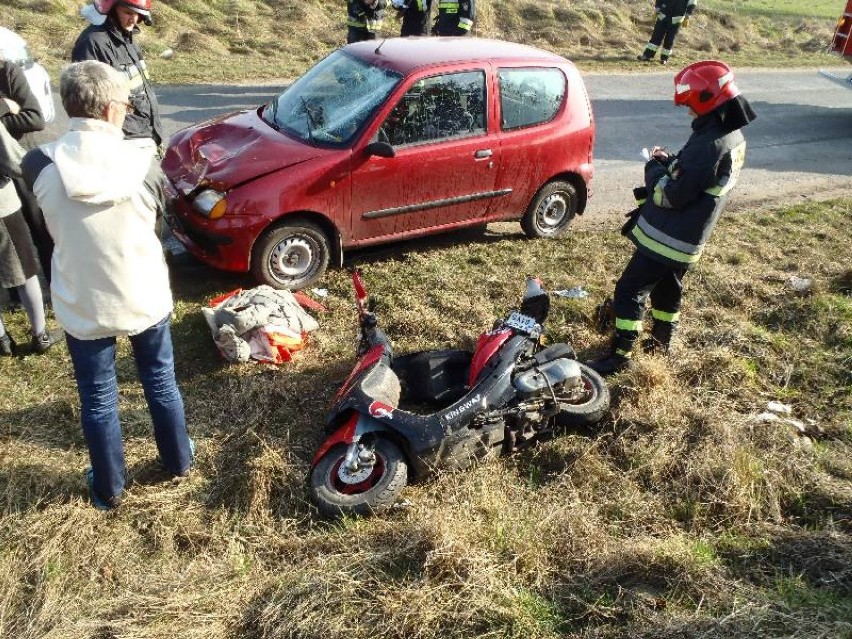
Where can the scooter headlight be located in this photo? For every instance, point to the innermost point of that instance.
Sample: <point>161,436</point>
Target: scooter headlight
<point>211,204</point>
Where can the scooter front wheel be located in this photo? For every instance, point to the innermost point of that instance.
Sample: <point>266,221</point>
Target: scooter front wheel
<point>589,405</point>
<point>372,489</point>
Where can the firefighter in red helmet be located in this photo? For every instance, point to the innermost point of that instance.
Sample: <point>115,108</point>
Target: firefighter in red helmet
<point>678,206</point>
<point>110,39</point>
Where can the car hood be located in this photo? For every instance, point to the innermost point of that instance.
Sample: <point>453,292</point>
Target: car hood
<point>230,150</point>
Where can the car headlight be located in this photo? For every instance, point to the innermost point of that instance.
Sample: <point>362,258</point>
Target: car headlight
<point>211,204</point>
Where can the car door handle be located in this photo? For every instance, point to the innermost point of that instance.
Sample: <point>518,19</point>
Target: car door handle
<point>482,154</point>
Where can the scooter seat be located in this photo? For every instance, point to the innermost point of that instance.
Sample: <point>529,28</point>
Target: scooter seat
<point>552,352</point>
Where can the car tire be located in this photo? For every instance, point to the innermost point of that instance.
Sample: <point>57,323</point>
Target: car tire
<point>293,255</point>
<point>551,210</point>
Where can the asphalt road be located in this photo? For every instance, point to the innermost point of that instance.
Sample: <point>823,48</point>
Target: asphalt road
<point>799,147</point>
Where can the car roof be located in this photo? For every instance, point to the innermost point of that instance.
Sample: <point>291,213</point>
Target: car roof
<point>407,54</point>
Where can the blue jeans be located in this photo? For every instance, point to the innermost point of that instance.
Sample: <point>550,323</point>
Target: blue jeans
<point>94,369</point>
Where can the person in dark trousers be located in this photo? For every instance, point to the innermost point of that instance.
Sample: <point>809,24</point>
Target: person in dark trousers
<point>110,39</point>
<point>683,197</point>
<point>364,19</point>
<point>455,18</point>
<point>415,17</point>
<point>20,114</point>
<point>671,16</point>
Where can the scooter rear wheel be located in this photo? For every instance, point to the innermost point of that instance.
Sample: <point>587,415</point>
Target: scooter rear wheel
<point>376,491</point>
<point>593,405</point>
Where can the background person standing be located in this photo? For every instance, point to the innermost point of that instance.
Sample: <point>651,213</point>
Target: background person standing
<point>20,113</point>
<point>455,18</point>
<point>110,39</point>
<point>414,15</point>
<point>671,16</point>
<point>364,19</point>
<point>18,262</point>
<point>100,194</point>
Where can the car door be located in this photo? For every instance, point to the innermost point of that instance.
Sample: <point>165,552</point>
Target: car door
<point>445,163</point>
<point>533,137</point>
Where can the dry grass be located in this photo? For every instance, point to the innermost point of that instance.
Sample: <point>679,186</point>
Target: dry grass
<point>252,40</point>
<point>679,516</point>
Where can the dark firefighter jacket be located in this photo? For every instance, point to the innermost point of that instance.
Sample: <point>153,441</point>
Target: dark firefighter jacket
<point>677,10</point>
<point>687,195</point>
<point>362,16</point>
<point>455,17</point>
<point>115,47</point>
<point>13,85</point>
<point>414,18</point>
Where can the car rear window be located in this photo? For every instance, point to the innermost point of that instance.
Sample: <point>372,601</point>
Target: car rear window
<point>530,96</point>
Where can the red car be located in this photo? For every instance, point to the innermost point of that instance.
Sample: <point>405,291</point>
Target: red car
<point>380,141</point>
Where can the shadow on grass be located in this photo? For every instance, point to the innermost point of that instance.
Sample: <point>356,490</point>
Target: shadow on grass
<point>28,486</point>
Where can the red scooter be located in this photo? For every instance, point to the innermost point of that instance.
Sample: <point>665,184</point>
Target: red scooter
<point>509,392</point>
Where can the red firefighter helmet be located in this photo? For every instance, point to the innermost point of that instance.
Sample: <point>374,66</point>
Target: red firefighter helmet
<point>705,85</point>
<point>142,7</point>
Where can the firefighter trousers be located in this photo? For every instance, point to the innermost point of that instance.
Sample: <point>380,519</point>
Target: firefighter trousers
<point>641,278</point>
<point>665,32</point>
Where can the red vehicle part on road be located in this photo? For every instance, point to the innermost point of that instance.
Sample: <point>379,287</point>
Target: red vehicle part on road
<point>841,44</point>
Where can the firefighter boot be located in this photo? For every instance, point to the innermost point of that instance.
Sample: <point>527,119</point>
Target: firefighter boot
<point>619,356</point>
<point>660,340</point>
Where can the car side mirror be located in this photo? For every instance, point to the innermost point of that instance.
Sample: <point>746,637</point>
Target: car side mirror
<point>381,149</point>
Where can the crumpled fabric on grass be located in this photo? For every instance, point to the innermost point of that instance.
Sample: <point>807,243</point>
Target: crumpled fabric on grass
<point>262,324</point>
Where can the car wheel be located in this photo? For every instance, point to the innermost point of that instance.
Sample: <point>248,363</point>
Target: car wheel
<point>291,255</point>
<point>551,210</point>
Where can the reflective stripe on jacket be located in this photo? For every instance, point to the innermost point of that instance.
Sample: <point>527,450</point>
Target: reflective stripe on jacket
<point>362,16</point>
<point>687,195</point>
<point>464,9</point>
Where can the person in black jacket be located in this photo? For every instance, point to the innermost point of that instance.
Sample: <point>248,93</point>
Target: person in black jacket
<point>414,15</point>
<point>364,19</point>
<point>455,18</point>
<point>671,16</point>
<point>110,40</point>
<point>683,197</point>
<point>20,113</point>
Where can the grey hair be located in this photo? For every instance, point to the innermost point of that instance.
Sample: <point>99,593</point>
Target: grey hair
<point>88,87</point>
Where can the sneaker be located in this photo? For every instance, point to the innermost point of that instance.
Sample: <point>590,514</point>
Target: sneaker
<point>664,60</point>
<point>46,339</point>
<point>191,458</point>
<point>97,501</point>
<point>7,346</point>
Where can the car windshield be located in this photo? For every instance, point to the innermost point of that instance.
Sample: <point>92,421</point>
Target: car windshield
<point>329,104</point>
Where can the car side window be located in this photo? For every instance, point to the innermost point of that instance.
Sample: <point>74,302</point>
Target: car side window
<point>438,108</point>
<point>529,96</point>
